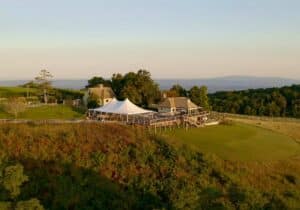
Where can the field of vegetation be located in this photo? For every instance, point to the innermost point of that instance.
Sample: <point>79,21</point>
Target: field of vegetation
<point>286,126</point>
<point>46,112</point>
<point>109,166</point>
<point>34,91</point>
<point>17,92</point>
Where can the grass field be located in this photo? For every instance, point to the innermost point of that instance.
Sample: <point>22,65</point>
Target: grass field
<point>16,91</point>
<point>284,126</point>
<point>239,141</point>
<point>51,112</point>
<point>46,112</point>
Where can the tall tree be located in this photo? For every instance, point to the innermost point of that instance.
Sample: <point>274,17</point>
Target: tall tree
<point>139,87</point>
<point>117,83</point>
<point>194,95</point>
<point>199,96</point>
<point>98,80</point>
<point>43,79</point>
<point>203,98</point>
<point>178,90</point>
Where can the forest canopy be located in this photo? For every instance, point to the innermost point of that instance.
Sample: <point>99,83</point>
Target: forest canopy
<point>276,102</point>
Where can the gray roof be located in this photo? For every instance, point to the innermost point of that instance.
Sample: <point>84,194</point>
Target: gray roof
<point>177,102</point>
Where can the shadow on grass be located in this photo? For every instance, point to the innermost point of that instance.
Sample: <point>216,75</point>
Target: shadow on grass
<point>64,186</point>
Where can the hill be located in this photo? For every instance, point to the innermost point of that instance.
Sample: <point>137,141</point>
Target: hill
<point>229,83</point>
<point>88,166</point>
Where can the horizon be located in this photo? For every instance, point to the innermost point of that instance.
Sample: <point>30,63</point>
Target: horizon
<point>171,39</point>
<point>165,78</point>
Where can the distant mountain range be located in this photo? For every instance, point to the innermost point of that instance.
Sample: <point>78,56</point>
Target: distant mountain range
<point>213,84</point>
<point>230,83</point>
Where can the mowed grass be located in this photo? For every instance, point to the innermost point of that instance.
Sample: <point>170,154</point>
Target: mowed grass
<point>284,126</point>
<point>51,112</point>
<point>238,142</point>
<point>16,91</point>
<point>60,112</point>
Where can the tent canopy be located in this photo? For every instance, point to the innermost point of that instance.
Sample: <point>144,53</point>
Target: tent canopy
<point>125,107</point>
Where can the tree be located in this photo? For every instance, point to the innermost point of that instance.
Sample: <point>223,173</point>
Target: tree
<point>138,87</point>
<point>194,95</point>
<point>203,98</point>
<point>178,90</point>
<point>147,88</point>
<point>13,179</point>
<point>15,105</point>
<point>43,79</point>
<point>92,102</point>
<point>269,101</point>
<point>199,96</point>
<point>98,80</point>
<point>32,204</point>
<point>132,93</point>
<point>117,83</point>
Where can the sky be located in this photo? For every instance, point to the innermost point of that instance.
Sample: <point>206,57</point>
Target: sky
<point>170,38</point>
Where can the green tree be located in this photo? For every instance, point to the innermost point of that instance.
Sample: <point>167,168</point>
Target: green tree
<point>13,178</point>
<point>32,204</point>
<point>194,95</point>
<point>138,87</point>
<point>92,102</point>
<point>199,96</point>
<point>117,83</point>
<point>203,98</point>
<point>43,80</point>
<point>98,80</point>
<point>178,90</point>
<point>132,93</point>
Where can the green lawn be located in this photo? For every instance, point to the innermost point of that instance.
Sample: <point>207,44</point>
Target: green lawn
<point>238,142</point>
<point>50,112</point>
<point>46,112</point>
<point>16,91</point>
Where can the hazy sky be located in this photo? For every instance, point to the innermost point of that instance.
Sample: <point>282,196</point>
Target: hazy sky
<point>170,38</point>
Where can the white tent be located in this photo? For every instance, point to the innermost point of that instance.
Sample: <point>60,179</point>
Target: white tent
<point>125,107</point>
<point>107,106</point>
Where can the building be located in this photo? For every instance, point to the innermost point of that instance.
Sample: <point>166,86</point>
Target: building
<point>175,105</point>
<point>103,94</point>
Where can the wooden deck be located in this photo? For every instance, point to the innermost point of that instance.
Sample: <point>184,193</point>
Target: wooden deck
<point>186,121</point>
<point>158,120</point>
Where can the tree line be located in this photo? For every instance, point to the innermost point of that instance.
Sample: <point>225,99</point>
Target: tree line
<point>276,102</point>
<point>142,90</point>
